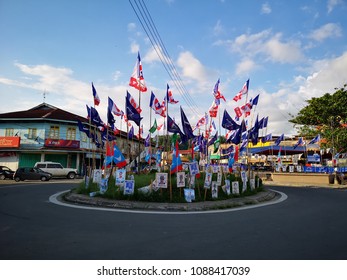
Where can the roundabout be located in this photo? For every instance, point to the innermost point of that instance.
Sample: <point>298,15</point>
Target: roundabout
<point>264,198</point>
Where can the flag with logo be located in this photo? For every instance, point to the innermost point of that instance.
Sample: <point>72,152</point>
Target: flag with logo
<point>154,127</point>
<point>137,80</point>
<point>201,122</point>
<point>228,122</point>
<point>133,103</point>
<point>113,108</point>
<point>95,96</point>
<point>187,129</point>
<point>213,110</point>
<point>242,92</point>
<point>176,164</point>
<point>216,93</point>
<point>156,106</point>
<point>169,96</point>
<point>132,113</point>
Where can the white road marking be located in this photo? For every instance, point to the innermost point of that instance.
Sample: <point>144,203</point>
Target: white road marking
<point>54,199</point>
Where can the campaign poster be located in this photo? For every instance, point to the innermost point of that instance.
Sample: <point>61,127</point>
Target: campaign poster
<point>161,179</point>
<point>97,176</point>
<point>215,168</point>
<point>192,181</point>
<point>214,189</point>
<point>291,168</point>
<point>129,187</point>
<point>252,183</point>
<point>225,169</point>
<point>188,195</point>
<point>208,180</point>
<point>235,187</point>
<point>284,168</point>
<point>219,178</point>
<point>194,168</point>
<point>298,168</point>
<point>181,180</point>
<point>103,185</point>
<point>244,176</point>
<point>227,186</point>
<point>120,177</point>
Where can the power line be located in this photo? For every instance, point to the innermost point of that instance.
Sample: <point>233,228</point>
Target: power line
<point>147,23</point>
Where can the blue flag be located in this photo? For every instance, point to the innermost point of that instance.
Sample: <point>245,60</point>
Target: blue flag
<point>279,139</point>
<point>132,113</point>
<point>187,129</point>
<point>315,140</point>
<point>228,122</point>
<point>131,133</point>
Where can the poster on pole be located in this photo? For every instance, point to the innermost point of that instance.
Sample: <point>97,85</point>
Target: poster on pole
<point>181,180</point>
<point>194,168</point>
<point>120,177</point>
<point>161,179</point>
<point>129,187</point>
<point>97,176</point>
<point>214,190</point>
<point>208,180</point>
<point>103,185</point>
<point>219,178</point>
<point>235,187</point>
<point>189,195</point>
<point>252,184</point>
<point>226,187</point>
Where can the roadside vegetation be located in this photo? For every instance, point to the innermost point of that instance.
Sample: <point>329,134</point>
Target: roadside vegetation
<point>163,195</point>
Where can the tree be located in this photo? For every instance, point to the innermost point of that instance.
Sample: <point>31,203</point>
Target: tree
<point>327,116</point>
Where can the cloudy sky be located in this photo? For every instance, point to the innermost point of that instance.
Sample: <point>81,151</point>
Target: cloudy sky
<point>290,50</point>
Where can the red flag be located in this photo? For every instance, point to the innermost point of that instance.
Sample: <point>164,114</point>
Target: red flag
<point>213,110</point>
<point>136,80</point>
<point>242,92</point>
<point>176,148</point>
<point>96,96</point>
<point>238,112</point>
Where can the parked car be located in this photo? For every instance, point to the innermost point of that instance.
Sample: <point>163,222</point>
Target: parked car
<point>56,169</point>
<point>31,173</point>
<point>6,173</point>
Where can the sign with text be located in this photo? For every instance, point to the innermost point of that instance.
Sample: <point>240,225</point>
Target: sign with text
<point>61,143</point>
<point>9,142</point>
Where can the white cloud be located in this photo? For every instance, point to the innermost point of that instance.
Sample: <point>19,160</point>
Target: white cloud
<point>134,47</point>
<point>283,52</point>
<point>329,30</point>
<point>265,8</point>
<point>269,45</point>
<point>332,4</point>
<point>324,76</point>
<point>245,66</point>
<point>131,26</point>
<point>192,68</point>
<point>218,28</point>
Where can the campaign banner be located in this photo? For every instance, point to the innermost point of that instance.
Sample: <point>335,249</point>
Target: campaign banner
<point>61,143</point>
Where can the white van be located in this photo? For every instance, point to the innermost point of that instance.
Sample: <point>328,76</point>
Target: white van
<point>56,169</point>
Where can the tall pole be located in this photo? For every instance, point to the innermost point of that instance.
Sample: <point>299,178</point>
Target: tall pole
<point>139,149</point>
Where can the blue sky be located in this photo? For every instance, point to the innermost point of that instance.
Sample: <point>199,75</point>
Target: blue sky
<point>290,50</point>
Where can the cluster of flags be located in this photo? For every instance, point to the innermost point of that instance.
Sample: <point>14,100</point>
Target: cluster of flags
<point>239,131</point>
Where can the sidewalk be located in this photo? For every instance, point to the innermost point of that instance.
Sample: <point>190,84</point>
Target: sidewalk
<point>328,186</point>
<point>258,198</point>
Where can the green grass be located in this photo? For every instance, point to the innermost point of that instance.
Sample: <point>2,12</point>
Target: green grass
<point>163,195</point>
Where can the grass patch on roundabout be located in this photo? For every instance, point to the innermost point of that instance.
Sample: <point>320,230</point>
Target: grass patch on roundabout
<point>163,195</point>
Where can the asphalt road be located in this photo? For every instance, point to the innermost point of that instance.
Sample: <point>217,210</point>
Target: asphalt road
<point>310,224</point>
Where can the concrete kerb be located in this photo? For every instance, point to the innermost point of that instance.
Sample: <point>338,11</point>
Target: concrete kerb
<point>259,198</point>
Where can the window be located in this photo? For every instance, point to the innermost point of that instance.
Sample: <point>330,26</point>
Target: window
<point>84,137</point>
<point>71,133</point>
<point>9,132</point>
<point>32,133</point>
<point>54,132</point>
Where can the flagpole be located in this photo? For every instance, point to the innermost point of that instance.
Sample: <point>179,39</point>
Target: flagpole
<point>139,148</point>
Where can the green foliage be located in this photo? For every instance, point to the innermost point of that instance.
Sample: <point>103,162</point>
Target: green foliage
<point>163,195</point>
<point>326,115</point>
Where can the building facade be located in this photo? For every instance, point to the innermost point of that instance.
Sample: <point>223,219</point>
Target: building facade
<point>47,133</point>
